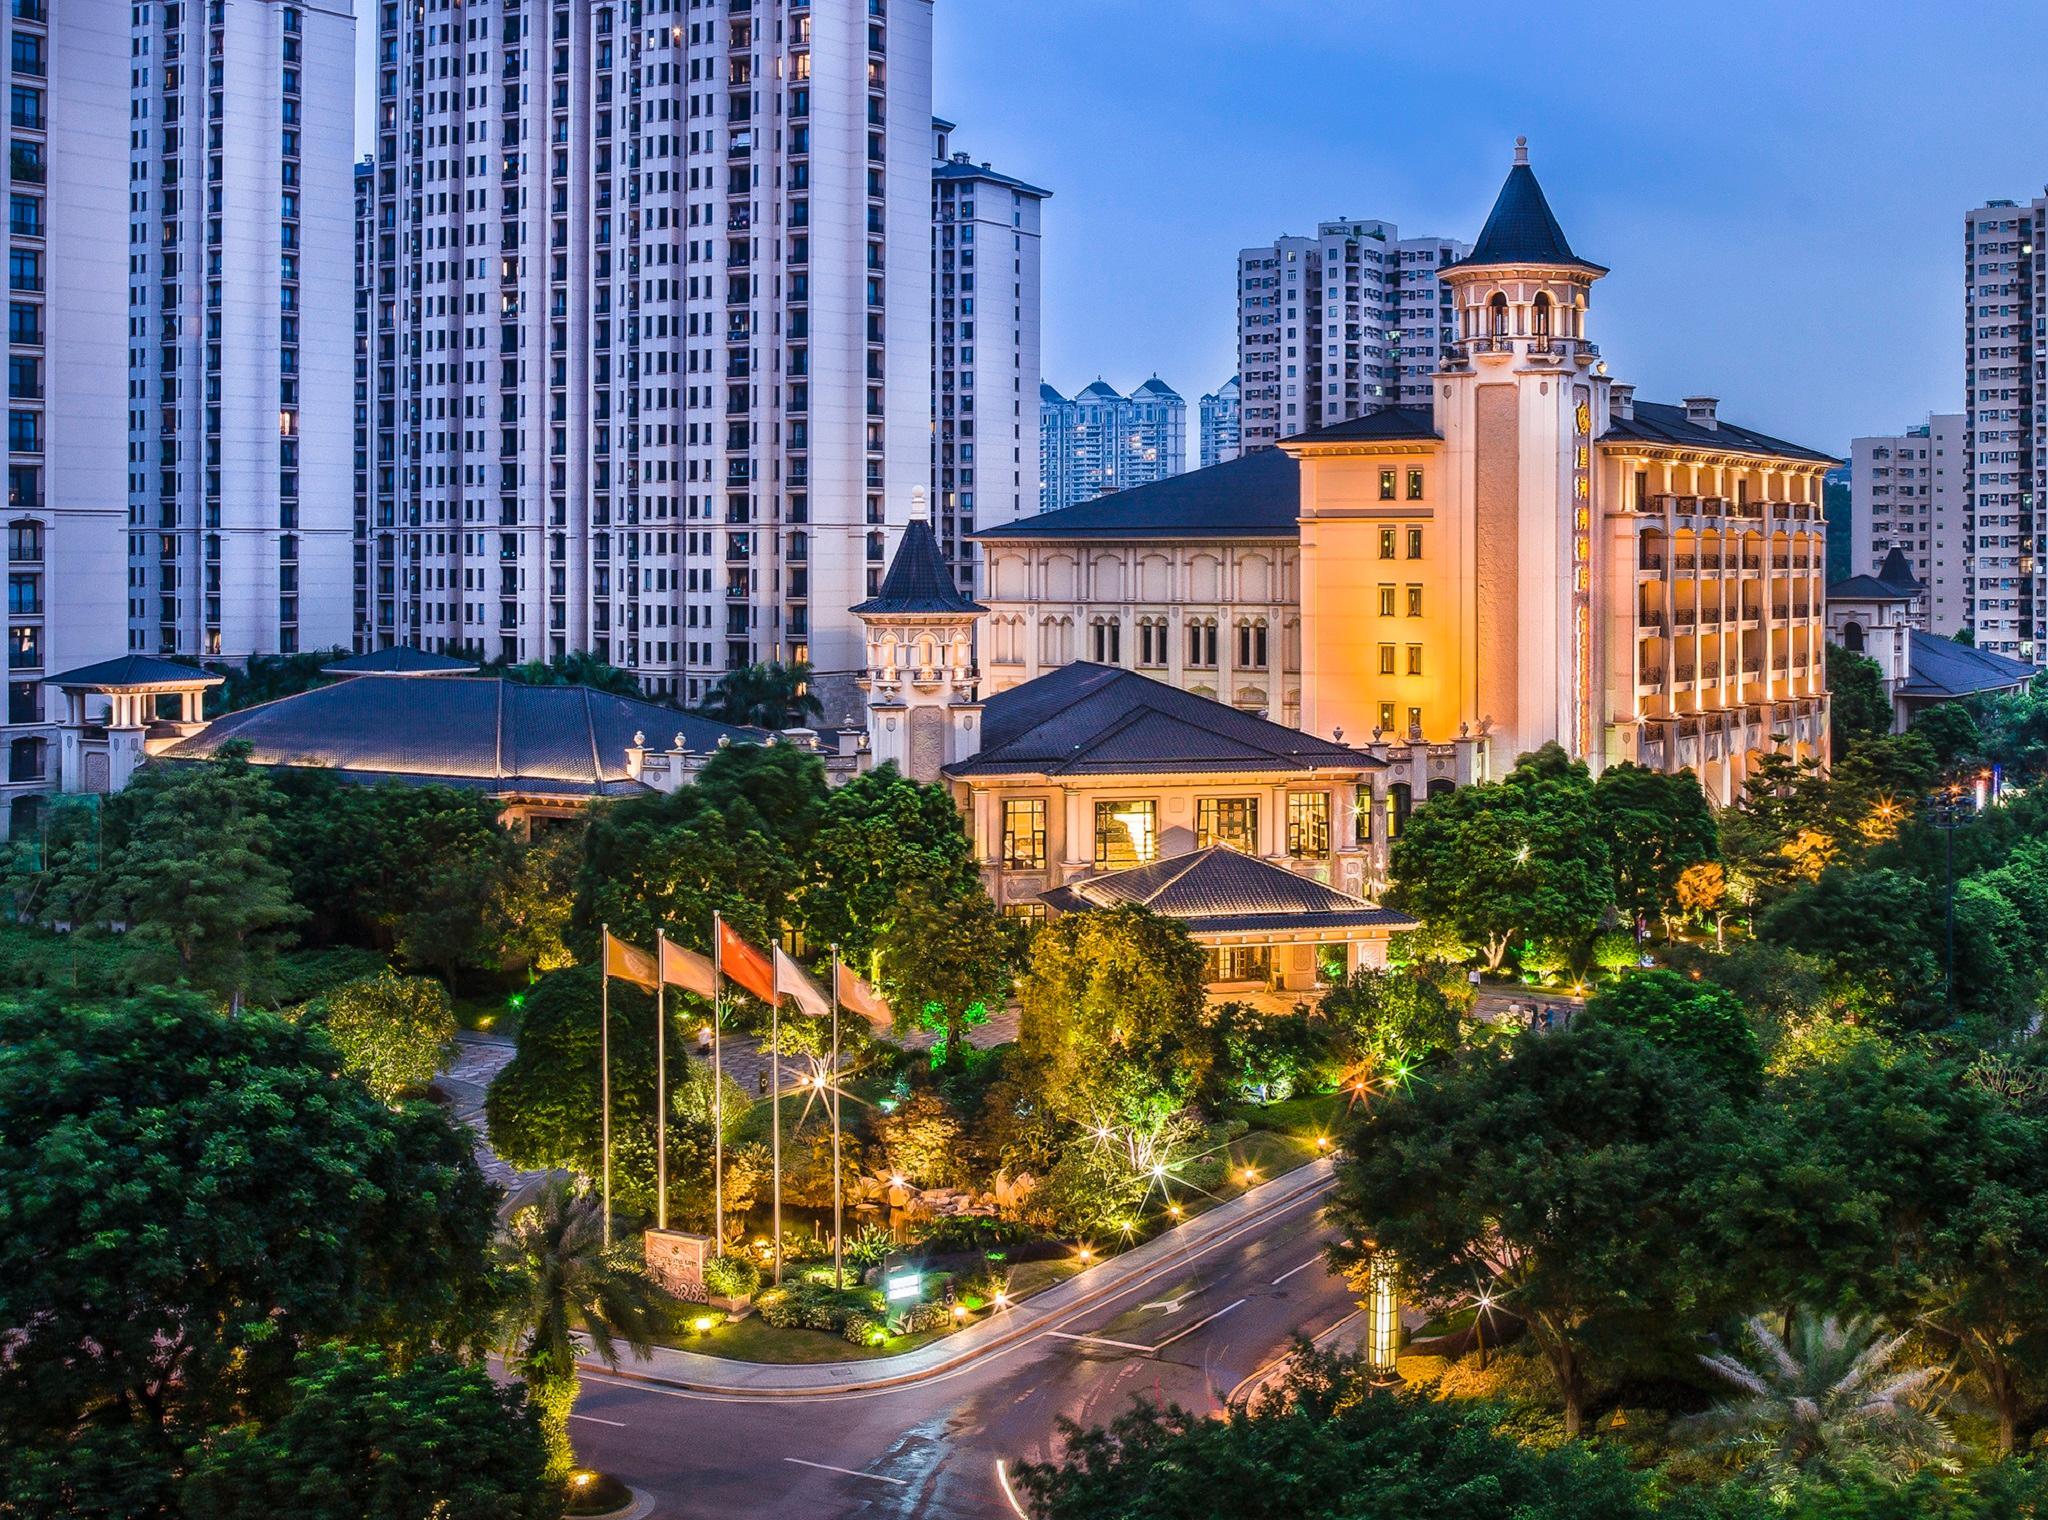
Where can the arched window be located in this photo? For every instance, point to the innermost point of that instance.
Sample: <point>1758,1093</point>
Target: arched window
<point>1852,637</point>
<point>1400,803</point>
<point>1497,315</point>
<point>1539,321</point>
<point>1108,641</point>
<point>24,817</point>
<point>1251,643</point>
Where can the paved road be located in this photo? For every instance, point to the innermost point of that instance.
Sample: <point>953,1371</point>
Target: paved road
<point>930,1450</point>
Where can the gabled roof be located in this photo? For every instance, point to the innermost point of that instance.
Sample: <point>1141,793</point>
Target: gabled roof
<point>1096,720</point>
<point>1254,496</point>
<point>1158,387</point>
<point>1388,424</point>
<point>1521,230</point>
<point>1893,583</point>
<point>1098,388</point>
<point>133,670</point>
<point>1220,890</point>
<point>1046,394</point>
<point>1658,422</point>
<point>400,660</point>
<point>494,736</point>
<point>918,580</point>
<point>1939,669</point>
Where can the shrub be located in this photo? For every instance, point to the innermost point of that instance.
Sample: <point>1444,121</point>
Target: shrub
<point>302,975</point>
<point>394,1032</point>
<point>919,1318</point>
<point>731,1276</point>
<point>866,1247</point>
<point>922,1140</point>
<point>864,1329</point>
<point>814,1306</point>
<point>972,1232</point>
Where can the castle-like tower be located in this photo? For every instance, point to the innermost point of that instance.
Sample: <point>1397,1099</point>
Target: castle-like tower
<point>921,684</point>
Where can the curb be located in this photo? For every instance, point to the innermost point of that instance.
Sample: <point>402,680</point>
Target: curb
<point>1315,1175</point>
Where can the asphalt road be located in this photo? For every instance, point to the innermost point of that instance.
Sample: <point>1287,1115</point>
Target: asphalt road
<point>1190,1334</point>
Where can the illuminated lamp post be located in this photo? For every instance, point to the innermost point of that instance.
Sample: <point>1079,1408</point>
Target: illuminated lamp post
<point>1383,1320</point>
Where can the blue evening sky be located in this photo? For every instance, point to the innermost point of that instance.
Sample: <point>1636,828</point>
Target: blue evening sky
<point>1778,187</point>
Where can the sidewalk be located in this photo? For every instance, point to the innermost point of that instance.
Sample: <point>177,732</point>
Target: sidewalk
<point>478,1059</point>
<point>711,1374</point>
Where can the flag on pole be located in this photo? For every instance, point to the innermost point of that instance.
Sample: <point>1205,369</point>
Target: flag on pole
<point>629,963</point>
<point>742,963</point>
<point>792,981</point>
<point>862,999</point>
<point>686,968</point>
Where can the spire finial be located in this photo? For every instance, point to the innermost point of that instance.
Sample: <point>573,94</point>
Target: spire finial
<point>919,512</point>
<point>1521,150</point>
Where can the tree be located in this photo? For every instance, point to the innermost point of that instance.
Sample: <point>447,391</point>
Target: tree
<point>1390,1019</point>
<point>1872,930</point>
<point>1323,1445</point>
<point>878,836</point>
<point>1552,1179</point>
<point>1828,1399</point>
<point>561,1281</point>
<point>1951,731</point>
<point>1615,950</point>
<point>1114,1012</point>
<point>1702,892</point>
<point>1859,706</point>
<point>191,866</point>
<point>922,1139</point>
<point>1501,861</point>
<point>365,1438</point>
<point>267,677</point>
<point>532,903</point>
<point>943,962</point>
<point>578,668</point>
<point>394,1032</point>
<point>1656,826</point>
<point>764,696</point>
<point>187,1199</point>
<point>1701,1024</point>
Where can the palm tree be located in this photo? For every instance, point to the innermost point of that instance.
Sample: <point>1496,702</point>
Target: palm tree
<point>764,696</point>
<point>577,668</point>
<point>561,1280</point>
<point>1829,1399</point>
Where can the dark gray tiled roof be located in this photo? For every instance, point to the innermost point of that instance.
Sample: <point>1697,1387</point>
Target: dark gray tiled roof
<point>1098,388</point>
<point>1869,588</point>
<point>1660,422</point>
<point>472,731</point>
<point>1939,668</point>
<point>1047,393</point>
<point>1391,424</point>
<point>1157,387</point>
<point>400,660</point>
<point>135,670</point>
<point>1221,890</point>
<point>1522,230</point>
<point>1256,496</point>
<point>973,171</point>
<point>918,579</point>
<point>1085,719</point>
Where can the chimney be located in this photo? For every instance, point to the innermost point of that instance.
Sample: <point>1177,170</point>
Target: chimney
<point>1622,400</point>
<point>1699,410</point>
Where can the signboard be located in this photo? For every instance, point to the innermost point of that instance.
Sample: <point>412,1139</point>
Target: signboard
<point>903,1287</point>
<point>675,1259</point>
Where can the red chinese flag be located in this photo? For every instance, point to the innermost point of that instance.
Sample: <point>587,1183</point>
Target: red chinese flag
<point>744,964</point>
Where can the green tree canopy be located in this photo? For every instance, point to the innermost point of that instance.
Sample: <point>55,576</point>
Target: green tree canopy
<point>365,1438</point>
<point>764,696</point>
<point>879,835</point>
<point>1390,1019</point>
<point>1655,825</point>
<point>1951,731</point>
<point>1859,708</point>
<point>1523,857</point>
<point>394,1032</point>
<point>1700,1023</point>
<point>944,961</point>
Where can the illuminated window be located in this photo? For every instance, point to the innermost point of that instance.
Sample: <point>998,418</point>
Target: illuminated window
<point>1386,485</point>
<point>1414,543</point>
<point>1308,825</point>
<point>1415,720</point>
<point>1387,717</point>
<point>1400,802</point>
<point>1415,659</point>
<point>1386,543</point>
<point>1415,601</point>
<point>1228,820</point>
<point>1126,834</point>
<point>1024,833</point>
<point>1415,485</point>
<point>1033,914</point>
<point>1386,601</point>
<point>1386,659</point>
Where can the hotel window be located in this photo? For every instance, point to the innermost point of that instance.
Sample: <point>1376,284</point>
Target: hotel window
<point>1400,803</point>
<point>1415,485</point>
<point>1251,643</point>
<point>1152,641</point>
<point>1386,601</point>
<point>1202,643</point>
<point>1031,913</point>
<point>1228,820</point>
<point>1415,659</point>
<point>1024,833</point>
<point>1108,641</point>
<point>1386,485</point>
<point>1308,825</point>
<point>1126,834</point>
<point>1386,659</point>
<point>1415,543</point>
<point>1386,717</point>
<point>1415,601</point>
<point>1415,722</point>
<point>1386,543</point>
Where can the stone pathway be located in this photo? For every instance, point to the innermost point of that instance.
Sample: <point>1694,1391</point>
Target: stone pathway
<point>479,1058</point>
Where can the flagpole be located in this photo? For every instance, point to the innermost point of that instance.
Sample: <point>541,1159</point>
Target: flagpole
<point>775,1116</point>
<point>717,1084</point>
<point>838,1230</point>
<point>604,1061</point>
<point>660,1096</point>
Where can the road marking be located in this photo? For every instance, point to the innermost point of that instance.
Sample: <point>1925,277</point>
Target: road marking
<point>1003,1477</point>
<point>1191,1329</point>
<point>1292,1270</point>
<point>615,1424</point>
<point>849,1471</point>
<point>1100,1340</point>
<point>1244,1390</point>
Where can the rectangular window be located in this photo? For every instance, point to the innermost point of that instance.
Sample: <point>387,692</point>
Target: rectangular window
<point>1415,601</point>
<point>1308,825</point>
<point>1415,485</point>
<point>1415,543</point>
<point>1415,721</point>
<point>1228,820</point>
<point>1415,659</point>
<point>1126,834</point>
<point>1386,601</point>
<point>1386,543</point>
<point>1032,913</point>
<point>1387,717</point>
<point>1386,659</point>
<point>1386,485</point>
<point>1024,833</point>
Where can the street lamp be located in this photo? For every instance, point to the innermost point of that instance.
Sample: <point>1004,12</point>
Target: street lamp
<point>1383,1324</point>
<point>1949,809</point>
